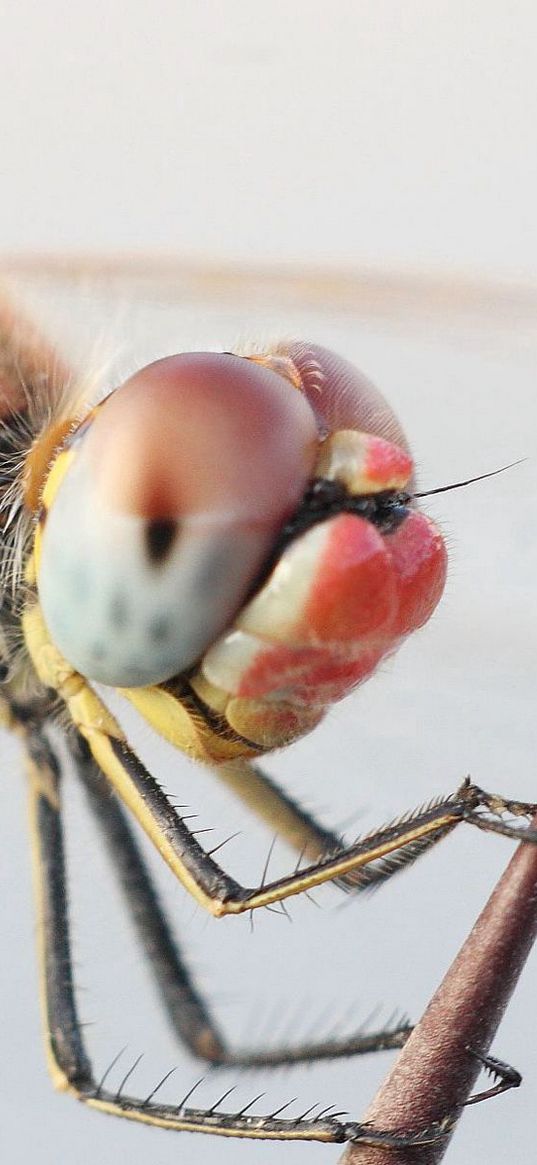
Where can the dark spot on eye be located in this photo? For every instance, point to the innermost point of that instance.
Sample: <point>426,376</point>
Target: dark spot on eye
<point>119,612</point>
<point>159,629</point>
<point>98,650</point>
<point>79,582</point>
<point>160,536</point>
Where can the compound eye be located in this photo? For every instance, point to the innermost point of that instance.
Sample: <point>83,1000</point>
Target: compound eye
<point>170,502</point>
<point>340,395</point>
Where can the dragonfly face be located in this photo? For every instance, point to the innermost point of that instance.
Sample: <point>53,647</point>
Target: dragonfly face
<point>233,543</point>
<point>208,478</point>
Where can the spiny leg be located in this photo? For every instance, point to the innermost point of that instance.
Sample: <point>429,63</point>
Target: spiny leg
<point>173,711</point>
<point>68,1061</point>
<point>221,894</point>
<point>299,827</point>
<point>196,869</point>
<point>69,1064</point>
<point>205,879</point>
<point>186,1010</point>
<point>177,712</point>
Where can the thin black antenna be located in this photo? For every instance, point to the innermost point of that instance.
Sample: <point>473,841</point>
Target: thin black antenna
<point>442,489</point>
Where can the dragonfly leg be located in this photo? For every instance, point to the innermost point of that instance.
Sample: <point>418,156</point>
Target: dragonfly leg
<point>289,820</point>
<point>505,1077</point>
<point>68,1060</point>
<point>69,1063</point>
<point>196,869</point>
<point>375,858</point>
<point>185,1009</point>
<point>200,873</point>
<point>188,1013</point>
<point>495,805</point>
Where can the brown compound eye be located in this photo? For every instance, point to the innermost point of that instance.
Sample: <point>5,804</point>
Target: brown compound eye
<point>174,496</point>
<point>339,394</point>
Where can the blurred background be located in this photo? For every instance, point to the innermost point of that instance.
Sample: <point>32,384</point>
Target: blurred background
<point>346,133</point>
<point>179,175</point>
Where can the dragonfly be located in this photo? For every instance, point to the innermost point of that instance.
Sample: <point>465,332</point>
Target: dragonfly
<point>233,543</point>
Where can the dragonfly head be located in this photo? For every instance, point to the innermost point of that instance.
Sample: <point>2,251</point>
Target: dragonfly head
<point>182,522</point>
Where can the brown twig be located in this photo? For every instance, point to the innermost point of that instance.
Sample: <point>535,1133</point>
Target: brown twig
<point>435,1072</point>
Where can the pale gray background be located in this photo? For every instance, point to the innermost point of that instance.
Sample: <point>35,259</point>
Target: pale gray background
<point>352,131</point>
<point>356,134</point>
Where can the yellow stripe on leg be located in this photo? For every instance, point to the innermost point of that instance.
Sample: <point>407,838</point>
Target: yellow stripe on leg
<point>100,729</point>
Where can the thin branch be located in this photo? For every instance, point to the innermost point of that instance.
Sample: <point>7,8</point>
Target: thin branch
<point>435,1073</point>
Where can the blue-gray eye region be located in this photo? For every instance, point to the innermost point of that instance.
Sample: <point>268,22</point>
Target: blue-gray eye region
<point>119,612</point>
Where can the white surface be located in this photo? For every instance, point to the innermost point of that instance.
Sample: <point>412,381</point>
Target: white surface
<point>371,132</point>
<point>460,698</point>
